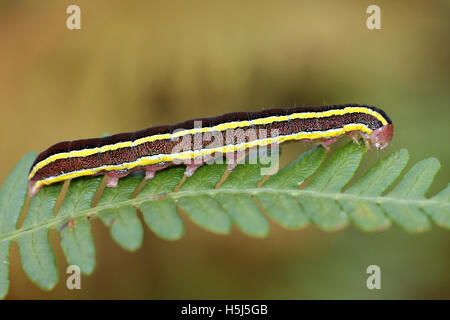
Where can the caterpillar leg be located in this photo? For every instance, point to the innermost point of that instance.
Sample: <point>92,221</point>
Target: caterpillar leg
<point>355,139</point>
<point>112,181</point>
<point>33,188</point>
<point>234,158</point>
<point>355,135</point>
<point>367,144</point>
<point>151,169</point>
<point>192,165</point>
<point>326,143</point>
<point>114,176</point>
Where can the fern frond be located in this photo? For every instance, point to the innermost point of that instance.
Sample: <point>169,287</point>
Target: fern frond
<point>12,198</point>
<point>311,189</point>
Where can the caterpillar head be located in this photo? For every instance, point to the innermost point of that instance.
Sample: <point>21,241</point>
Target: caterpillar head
<point>381,137</point>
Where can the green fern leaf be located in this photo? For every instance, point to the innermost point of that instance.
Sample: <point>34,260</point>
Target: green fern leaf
<point>438,210</point>
<point>413,186</point>
<point>76,237</point>
<point>331,178</point>
<point>240,207</point>
<point>369,216</point>
<point>12,198</point>
<point>311,189</point>
<point>126,228</point>
<point>37,257</point>
<point>202,208</point>
<point>282,207</point>
<point>161,216</point>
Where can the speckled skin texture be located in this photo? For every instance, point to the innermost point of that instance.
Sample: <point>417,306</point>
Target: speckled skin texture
<point>129,154</point>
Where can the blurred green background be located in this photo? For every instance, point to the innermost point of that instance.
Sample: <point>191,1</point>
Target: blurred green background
<point>136,64</point>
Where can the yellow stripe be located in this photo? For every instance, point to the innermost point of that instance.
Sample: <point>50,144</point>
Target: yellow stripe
<point>152,138</point>
<point>339,112</point>
<point>270,119</point>
<point>220,127</point>
<point>203,152</point>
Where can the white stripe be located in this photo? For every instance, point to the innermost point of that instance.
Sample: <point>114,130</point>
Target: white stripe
<point>194,152</point>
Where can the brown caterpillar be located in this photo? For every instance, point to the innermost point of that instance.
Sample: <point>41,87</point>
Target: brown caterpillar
<point>156,148</point>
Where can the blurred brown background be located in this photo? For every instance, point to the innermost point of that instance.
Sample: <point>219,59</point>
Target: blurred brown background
<point>136,64</point>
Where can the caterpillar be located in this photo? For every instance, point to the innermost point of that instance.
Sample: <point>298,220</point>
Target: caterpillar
<point>192,141</point>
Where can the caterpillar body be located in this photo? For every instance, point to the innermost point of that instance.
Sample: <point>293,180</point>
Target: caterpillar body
<point>156,148</point>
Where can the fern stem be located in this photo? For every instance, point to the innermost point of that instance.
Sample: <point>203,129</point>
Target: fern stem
<point>185,194</point>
